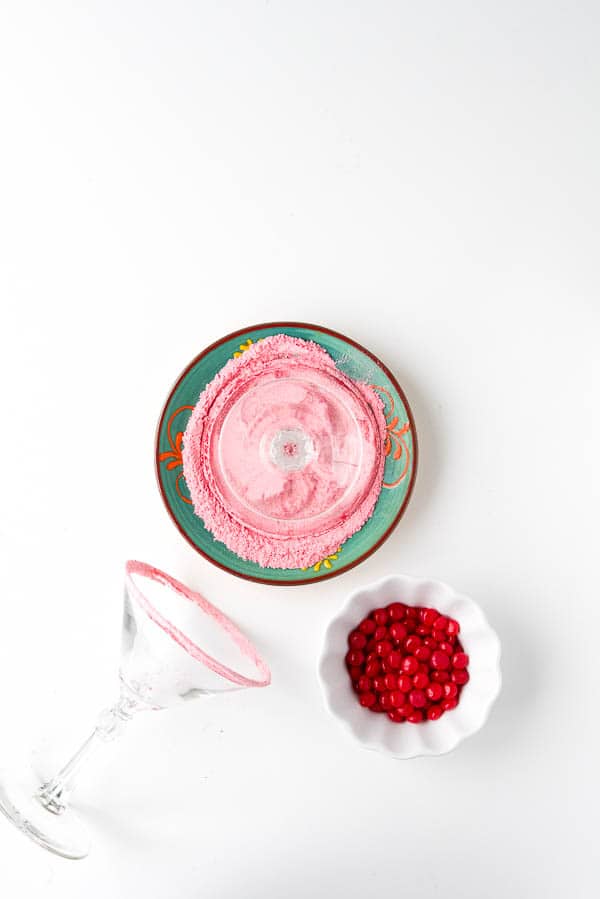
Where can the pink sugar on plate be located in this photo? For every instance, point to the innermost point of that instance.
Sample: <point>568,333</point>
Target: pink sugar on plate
<point>283,454</point>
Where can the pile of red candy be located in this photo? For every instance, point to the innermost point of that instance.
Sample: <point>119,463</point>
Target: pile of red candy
<point>407,661</point>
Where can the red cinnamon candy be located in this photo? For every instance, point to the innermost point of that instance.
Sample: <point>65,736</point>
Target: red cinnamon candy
<point>418,668</point>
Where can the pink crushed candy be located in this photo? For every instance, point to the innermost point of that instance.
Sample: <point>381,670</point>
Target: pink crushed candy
<point>283,454</point>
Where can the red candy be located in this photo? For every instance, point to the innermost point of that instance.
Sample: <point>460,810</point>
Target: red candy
<point>390,681</point>
<point>397,698</point>
<point>367,626</point>
<point>398,631</point>
<point>434,691</point>
<point>407,662</point>
<point>417,699</point>
<point>386,701</point>
<point>404,683</point>
<point>397,611</point>
<point>357,640</point>
<point>440,660</point>
<point>367,699</point>
<point>428,616</point>
<point>355,657</point>
<point>409,665</point>
<point>380,616</point>
<point>394,659</point>
<point>372,669</point>
<point>412,643</point>
<point>420,680</point>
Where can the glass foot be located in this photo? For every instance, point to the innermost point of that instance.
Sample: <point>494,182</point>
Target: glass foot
<point>63,833</point>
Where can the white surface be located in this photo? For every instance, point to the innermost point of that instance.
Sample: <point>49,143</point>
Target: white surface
<point>423,177</point>
<point>477,697</point>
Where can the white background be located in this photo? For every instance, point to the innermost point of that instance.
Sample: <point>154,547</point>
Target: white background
<point>420,176</point>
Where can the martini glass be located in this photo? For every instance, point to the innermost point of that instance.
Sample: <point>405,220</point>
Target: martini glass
<point>176,646</point>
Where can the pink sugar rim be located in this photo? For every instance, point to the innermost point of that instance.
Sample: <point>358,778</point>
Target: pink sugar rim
<point>270,551</point>
<point>242,642</point>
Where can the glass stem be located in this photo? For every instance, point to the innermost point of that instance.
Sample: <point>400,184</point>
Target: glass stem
<point>111,724</point>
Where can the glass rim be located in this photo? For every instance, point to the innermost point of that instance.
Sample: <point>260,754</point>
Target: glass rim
<point>143,569</point>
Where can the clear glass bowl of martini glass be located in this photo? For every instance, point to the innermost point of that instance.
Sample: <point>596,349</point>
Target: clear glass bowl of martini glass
<point>176,646</point>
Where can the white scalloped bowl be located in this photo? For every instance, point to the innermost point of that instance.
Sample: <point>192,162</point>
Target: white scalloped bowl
<point>405,741</point>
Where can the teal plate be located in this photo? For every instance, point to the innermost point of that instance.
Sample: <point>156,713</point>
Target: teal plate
<point>400,450</point>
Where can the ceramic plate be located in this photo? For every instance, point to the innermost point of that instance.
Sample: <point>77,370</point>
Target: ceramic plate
<point>400,450</point>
